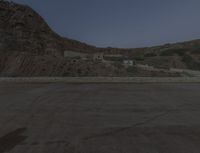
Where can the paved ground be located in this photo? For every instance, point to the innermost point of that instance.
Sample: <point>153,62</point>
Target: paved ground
<point>99,118</point>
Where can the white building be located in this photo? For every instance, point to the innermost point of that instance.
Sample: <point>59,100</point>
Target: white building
<point>128,63</point>
<point>83,56</point>
<point>98,56</point>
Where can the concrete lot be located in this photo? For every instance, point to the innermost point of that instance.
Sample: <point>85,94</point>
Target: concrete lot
<point>99,118</point>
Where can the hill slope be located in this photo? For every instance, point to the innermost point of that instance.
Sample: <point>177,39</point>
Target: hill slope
<point>22,29</point>
<point>28,47</point>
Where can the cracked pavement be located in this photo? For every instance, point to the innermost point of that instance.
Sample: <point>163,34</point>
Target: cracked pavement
<point>99,118</point>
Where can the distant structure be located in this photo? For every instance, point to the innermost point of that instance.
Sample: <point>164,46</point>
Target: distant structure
<point>99,57</point>
<point>128,62</point>
<point>118,58</point>
<point>83,56</point>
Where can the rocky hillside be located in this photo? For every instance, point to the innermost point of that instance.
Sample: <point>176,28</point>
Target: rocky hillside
<point>23,30</point>
<point>184,55</point>
<point>28,47</point>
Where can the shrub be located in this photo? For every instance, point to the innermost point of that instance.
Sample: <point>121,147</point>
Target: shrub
<point>150,55</point>
<point>196,51</point>
<point>139,58</point>
<point>171,52</point>
<point>118,65</point>
<point>132,69</point>
<point>187,59</point>
<point>191,63</point>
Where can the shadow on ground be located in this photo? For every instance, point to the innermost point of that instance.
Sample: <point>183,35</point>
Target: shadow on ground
<point>12,139</point>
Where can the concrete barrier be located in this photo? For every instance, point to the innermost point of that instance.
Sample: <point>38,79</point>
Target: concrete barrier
<point>100,79</point>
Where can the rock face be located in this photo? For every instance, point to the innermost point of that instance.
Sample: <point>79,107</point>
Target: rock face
<point>28,47</point>
<point>23,30</point>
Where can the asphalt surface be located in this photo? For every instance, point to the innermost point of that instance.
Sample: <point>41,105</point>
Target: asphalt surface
<point>99,118</point>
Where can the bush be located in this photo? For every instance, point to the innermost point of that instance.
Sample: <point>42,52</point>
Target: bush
<point>187,59</point>
<point>117,59</point>
<point>132,69</point>
<point>171,52</point>
<point>139,58</point>
<point>118,65</point>
<point>150,55</point>
<point>196,51</point>
<point>191,63</point>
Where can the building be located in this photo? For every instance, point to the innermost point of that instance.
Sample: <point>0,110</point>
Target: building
<point>83,56</point>
<point>98,56</point>
<point>128,63</point>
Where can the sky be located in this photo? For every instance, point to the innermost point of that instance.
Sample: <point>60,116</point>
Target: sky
<point>121,23</point>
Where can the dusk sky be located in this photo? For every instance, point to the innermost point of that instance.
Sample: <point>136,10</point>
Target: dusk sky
<point>121,23</point>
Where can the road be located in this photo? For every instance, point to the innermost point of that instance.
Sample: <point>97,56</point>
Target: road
<point>99,118</point>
